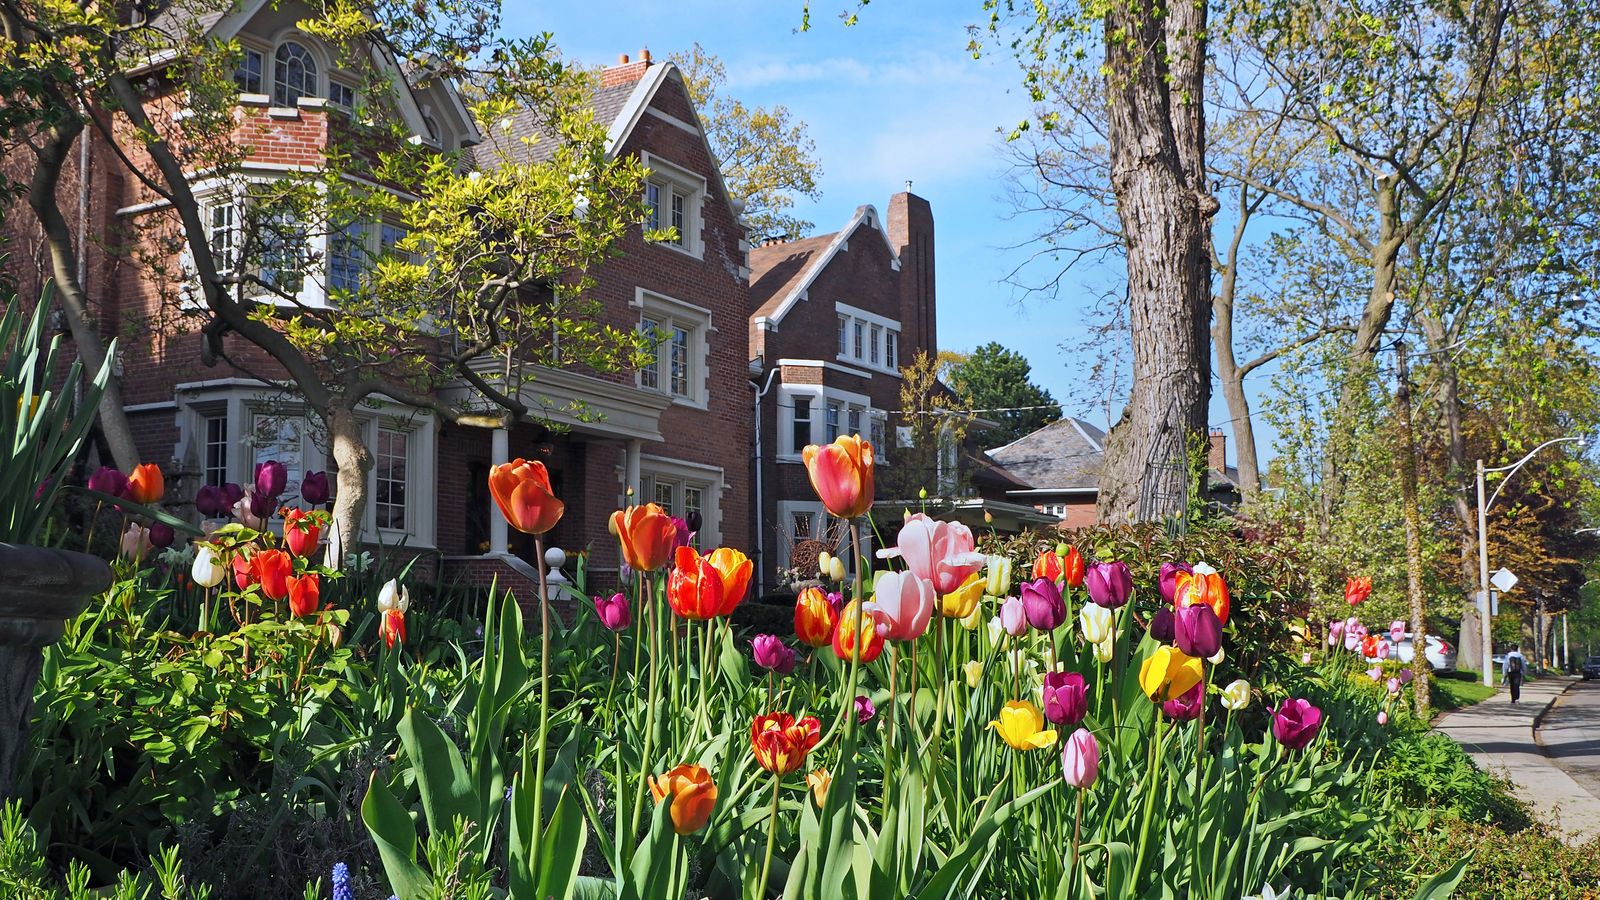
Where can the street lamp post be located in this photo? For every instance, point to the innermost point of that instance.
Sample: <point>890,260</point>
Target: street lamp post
<point>1483,544</point>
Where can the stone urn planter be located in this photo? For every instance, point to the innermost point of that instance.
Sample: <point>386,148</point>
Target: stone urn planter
<point>40,589</point>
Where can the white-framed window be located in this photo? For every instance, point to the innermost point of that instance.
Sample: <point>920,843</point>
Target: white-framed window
<point>673,198</point>
<point>347,258</point>
<point>814,414</point>
<point>891,348</point>
<point>878,433</point>
<point>877,342</point>
<point>682,488</point>
<point>214,450</point>
<point>248,75</point>
<point>279,436</point>
<point>868,339</point>
<point>341,93</point>
<point>800,426</point>
<point>853,419</point>
<point>282,238</point>
<point>390,476</point>
<point>801,521</point>
<point>681,335</point>
<point>831,422</point>
<point>222,231</point>
<point>860,330</point>
<point>294,74</point>
<point>844,328</point>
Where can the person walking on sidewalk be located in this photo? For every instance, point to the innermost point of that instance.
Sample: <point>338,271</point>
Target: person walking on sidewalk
<point>1511,673</point>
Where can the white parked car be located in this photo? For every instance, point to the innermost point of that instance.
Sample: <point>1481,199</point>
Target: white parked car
<point>1441,653</point>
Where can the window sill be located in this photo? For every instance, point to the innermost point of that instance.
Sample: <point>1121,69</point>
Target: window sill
<point>692,254</point>
<point>845,359</point>
<point>690,403</point>
<point>255,100</point>
<point>789,458</point>
<point>283,112</point>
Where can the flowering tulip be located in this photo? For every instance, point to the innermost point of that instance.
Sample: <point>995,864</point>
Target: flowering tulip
<point>1095,623</point>
<point>1406,676</point>
<point>314,488</point>
<point>1064,697</point>
<point>1196,631</point>
<point>1383,649</point>
<point>1043,605</point>
<point>648,536</point>
<point>1393,684</point>
<point>1383,717</point>
<point>818,783</point>
<point>1169,578</point>
<point>1335,633</point>
<point>1022,726</point>
<point>1397,630</point>
<point>1203,585</point>
<point>1013,618</point>
<point>1168,673</point>
<point>974,672</point>
<point>136,542</point>
<point>1080,759</point>
<point>695,588</point>
<point>1187,705</point>
<point>1375,673</point>
<point>244,509</point>
<point>1047,565</point>
<point>781,744</point>
<point>270,479</point>
<point>261,506</point>
<point>830,567</point>
<point>273,568</point>
<point>146,484</point>
<point>304,594</point>
<point>961,602</point>
<point>300,531</point>
<point>814,617</point>
<point>772,654</point>
<point>902,604</point>
<point>1236,695</point>
<point>205,571</point>
<point>1110,584</point>
<point>1020,660</point>
<point>614,612</point>
<point>393,627</point>
<point>682,534</point>
<point>244,574</point>
<point>522,491</point>
<point>211,502</point>
<point>857,632</point>
<point>734,568</point>
<point>161,535</point>
<point>1370,644</point>
<point>997,576</point>
<point>393,595</point>
<point>841,474</point>
<point>1353,637</point>
<point>1296,722</point>
<point>864,709</point>
<point>973,619</point>
<point>108,480</point>
<point>940,552</point>
<point>1162,625</point>
<point>231,493</point>
<point>1357,590</point>
<point>693,793</point>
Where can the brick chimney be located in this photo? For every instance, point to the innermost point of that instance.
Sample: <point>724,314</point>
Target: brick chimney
<point>1217,452</point>
<point>910,229</point>
<point>627,70</point>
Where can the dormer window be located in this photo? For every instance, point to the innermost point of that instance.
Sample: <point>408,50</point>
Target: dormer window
<point>294,74</point>
<point>248,75</point>
<point>673,198</point>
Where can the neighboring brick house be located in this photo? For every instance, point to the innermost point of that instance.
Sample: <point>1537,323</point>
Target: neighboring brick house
<point>676,432</point>
<point>1060,464</point>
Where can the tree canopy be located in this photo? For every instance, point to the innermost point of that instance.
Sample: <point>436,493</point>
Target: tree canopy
<point>997,384</point>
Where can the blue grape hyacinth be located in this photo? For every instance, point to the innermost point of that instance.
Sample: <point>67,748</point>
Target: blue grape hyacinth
<point>341,883</point>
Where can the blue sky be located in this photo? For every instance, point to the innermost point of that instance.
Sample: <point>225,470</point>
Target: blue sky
<point>895,98</point>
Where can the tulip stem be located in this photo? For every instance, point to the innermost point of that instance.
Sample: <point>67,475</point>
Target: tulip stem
<point>1077,835</point>
<point>772,834</point>
<point>650,710</point>
<point>616,663</point>
<point>1149,799</point>
<point>544,697</point>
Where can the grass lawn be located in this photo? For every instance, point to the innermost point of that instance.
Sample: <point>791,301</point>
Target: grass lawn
<point>1454,690</point>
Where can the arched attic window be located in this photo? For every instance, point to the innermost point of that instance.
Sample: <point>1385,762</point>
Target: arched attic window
<point>294,74</point>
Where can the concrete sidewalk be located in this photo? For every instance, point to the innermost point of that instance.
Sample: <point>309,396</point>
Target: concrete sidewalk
<point>1500,737</point>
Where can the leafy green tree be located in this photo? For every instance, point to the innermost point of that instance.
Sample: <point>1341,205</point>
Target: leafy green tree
<point>997,384</point>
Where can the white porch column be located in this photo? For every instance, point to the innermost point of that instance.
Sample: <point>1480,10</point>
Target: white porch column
<point>630,468</point>
<point>499,452</point>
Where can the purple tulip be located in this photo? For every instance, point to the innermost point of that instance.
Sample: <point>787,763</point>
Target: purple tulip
<point>108,480</point>
<point>773,654</point>
<point>210,501</point>
<point>1161,625</point>
<point>161,535</point>
<point>1197,631</point>
<point>1065,697</point>
<point>314,488</point>
<point>1296,722</point>
<point>1169,578</point>
<point>682,537</point>
<point>271,479</point>
<point>613,611</point>
<point>232,493</point>
<point>864,709</point>
<point>262,506</point>
<point>1188,705</point>
<point>1042,604</point>
<point>1110,584</point>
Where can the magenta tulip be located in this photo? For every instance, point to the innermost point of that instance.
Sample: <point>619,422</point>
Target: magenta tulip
<point>682,536</point>
<point>211,502</point>
<point>314,488</point>
<point>772,654</point>
<point>614,611</point>
<point>1042,604</point>
<point>1080,759</point>
<point>232,493</point>
<point>1169,578</point>
<point>943,553</point>
<point>1197,631</point>
<point>1405,676</point>
<point>107,480</point>
<point>1012,618</point>
<point>1065,697</point>
<point>864,710</point>
<point>1296,722</point>
<point>271,478</point>
<point>1161,624</point>
<point>1187,705</point>
<point>1110,584</point>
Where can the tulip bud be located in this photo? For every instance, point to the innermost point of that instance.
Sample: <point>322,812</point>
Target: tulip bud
<point>998,576</point>
<point>819,782</point>
<point>1043,604</point>
<point>392,596</point>
<point>335,635</point>
<point>822,563</point>
<point>1236,695</point>
<point>271,478</point>
<point>613,611</point>
<point>1383,717</point>
<point>314,488</point>
<point>1161,625</point>
<point>1012,618</point>
<point>161,535</point>
<point>922,493</point>
<point>974,672</point>
<point>988,517</point>
<point>1104,650</point>
<point>1080,759</point>
<point>205,571</point>
<point>1397,631</point>
<point>1196,631</point>
<point>1095,622</point>
<point>835,568</point>
<point>108,480</point>
<point>1216,658</point>
<point>772,654</point>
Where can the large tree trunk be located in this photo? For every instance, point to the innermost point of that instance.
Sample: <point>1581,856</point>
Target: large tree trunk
<point>1469,652</point>
<point>1413,520</point>
<point>52,157</point>
<point>1231,375</point>
<point>354,459</point>
<point>1155,85</point>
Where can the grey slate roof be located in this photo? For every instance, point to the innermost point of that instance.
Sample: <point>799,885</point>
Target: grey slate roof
<point>1065,455</point>
<point>504,144</point>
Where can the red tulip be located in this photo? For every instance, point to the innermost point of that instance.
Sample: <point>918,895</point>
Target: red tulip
<point>647,535</point>
<point>1357,590</point>
<point>522,491</point>
<point>857,629</point>
<point>841,474</point>
<point>304,594</point>
<point>272,569</point>
<point>781,744</point>
<point>694,589</point>
<point>146,484</point>
<point>393,627</point>
<point>1204,585</point>
<point>814,617</point>
<point>300,531</point>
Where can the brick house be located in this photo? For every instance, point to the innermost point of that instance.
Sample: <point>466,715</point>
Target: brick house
<point>674,432</point>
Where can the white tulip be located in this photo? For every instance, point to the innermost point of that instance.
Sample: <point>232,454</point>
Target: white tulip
<point>393,596</point>
<point>1236,695</point>
<point>998,581</point>
<point>1104,649</point>
<point>1216,658</point>
<point>1096,623</point>
<point>206,572</point>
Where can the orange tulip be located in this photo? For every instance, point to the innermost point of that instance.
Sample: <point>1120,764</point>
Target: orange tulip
<point>841,474</point>
<point>300,531</point>
<point>1065,568</point>
<point>693,793</point>
<point>735,569</point>
<point>781,744</point>
<point>393,627</point>
<point>647,534</point>
<point>272,568</point>
<point>694,590</point>
<point>304,594</point>
<point>1204,586</point>
<point>814,617</point>
<point>146,484</point>
<point>1357,590</point>
<point>522,491</point>
<point>857,628</point>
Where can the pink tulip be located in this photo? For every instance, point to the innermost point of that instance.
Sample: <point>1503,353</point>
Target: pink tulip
<point>940,552</point>
<point>1393,685</point>
<point>903,603</point>
<point>1012,617</point>
<point>864,709</point>
<point>1080,759</point>
<point>1406,676</point>
<point>1187,705</point>
<point>772,654</point>
<point>1375,673</point>
<point>1335,632</point>
<point>613,611</point>
<point>1383,649</point>
<point>136,542</point>
<point>1383,717</point>
<point>1397,631</point>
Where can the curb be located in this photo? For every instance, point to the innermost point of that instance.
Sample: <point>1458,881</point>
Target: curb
<point>1538,720</point>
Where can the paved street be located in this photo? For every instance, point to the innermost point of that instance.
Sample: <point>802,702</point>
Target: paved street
<point>1570,734</point>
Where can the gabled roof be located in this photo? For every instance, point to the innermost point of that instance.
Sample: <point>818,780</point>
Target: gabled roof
<point>1066,455</point>
<point>781,273</point>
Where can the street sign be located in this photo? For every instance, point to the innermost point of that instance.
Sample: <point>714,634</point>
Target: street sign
<point>1494,602</point>
<point>1503,579</point>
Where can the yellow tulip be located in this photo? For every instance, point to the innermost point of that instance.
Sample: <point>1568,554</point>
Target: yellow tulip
<point>1169,673</point>
<point>1022,726</point>
<point>974,619</point>
<point>974,672</point>
<point>960,603</point>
